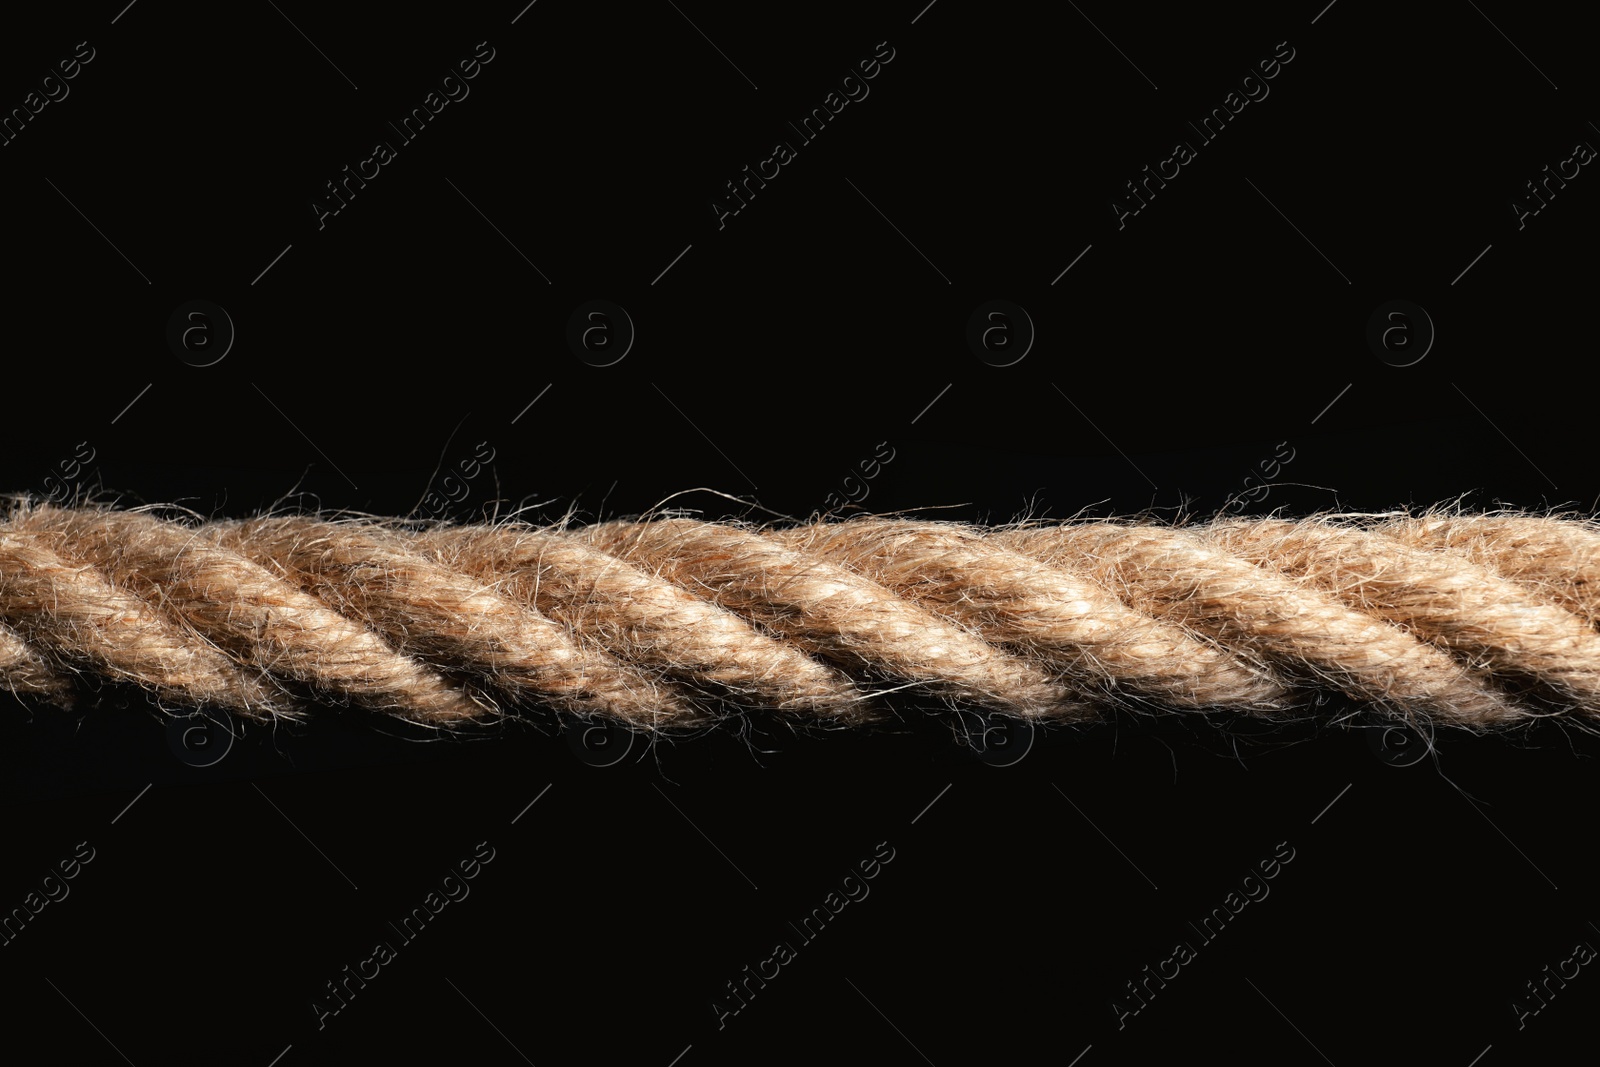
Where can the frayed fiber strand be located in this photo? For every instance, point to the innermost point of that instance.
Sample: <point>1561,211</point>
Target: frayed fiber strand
<point>1476,621</point>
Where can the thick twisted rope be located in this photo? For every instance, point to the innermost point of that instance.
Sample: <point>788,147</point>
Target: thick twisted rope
<point>1468,620</point>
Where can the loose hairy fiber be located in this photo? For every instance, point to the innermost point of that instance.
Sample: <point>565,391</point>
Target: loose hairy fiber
<point>668,622</point>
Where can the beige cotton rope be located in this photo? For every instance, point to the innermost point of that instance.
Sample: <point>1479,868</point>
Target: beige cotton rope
<point>1470,620</point>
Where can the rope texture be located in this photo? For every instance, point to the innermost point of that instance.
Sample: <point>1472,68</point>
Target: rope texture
<point>1475,621</point>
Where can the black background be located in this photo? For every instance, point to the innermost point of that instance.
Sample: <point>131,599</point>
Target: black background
<point>825,323</point>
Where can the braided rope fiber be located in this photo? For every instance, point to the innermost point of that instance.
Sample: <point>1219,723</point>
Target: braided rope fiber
<point>1476,621</point>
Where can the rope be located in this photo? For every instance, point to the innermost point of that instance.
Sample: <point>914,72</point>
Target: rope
<point>1476,621</point>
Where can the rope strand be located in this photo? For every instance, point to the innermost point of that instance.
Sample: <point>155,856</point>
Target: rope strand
<point>1475,621</point>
